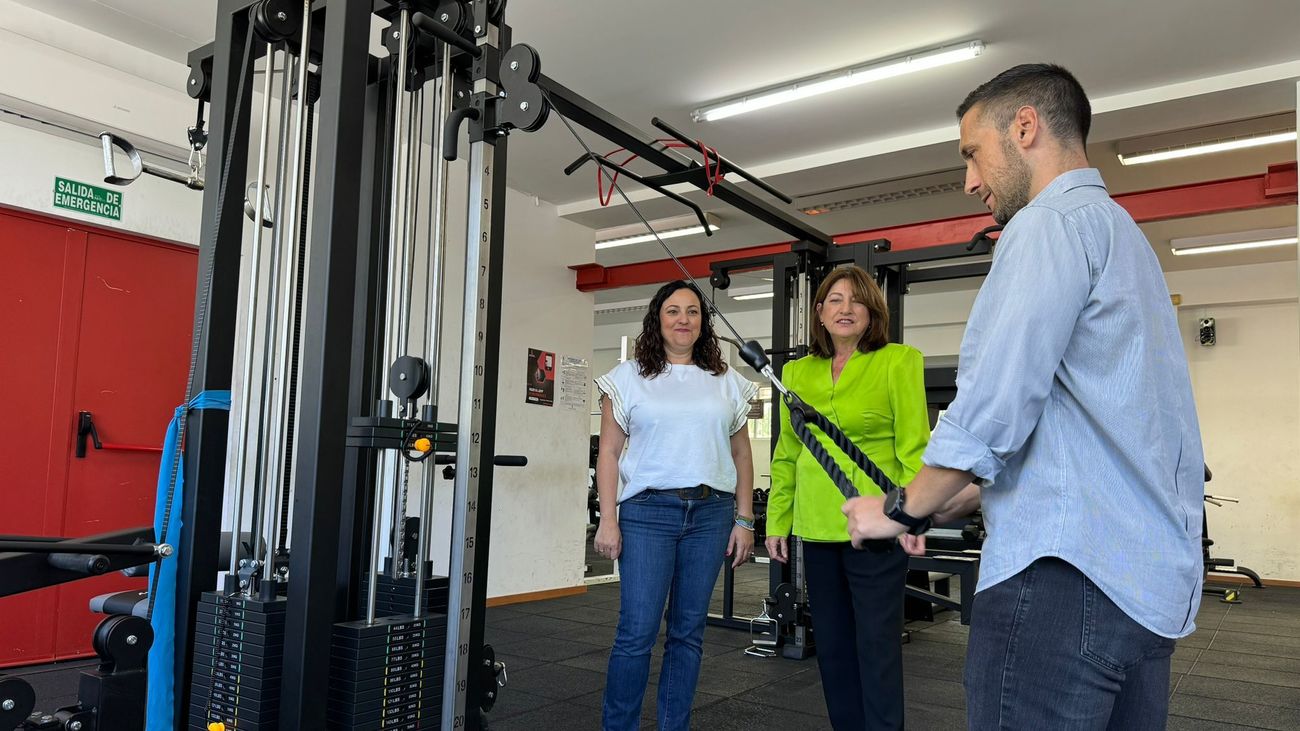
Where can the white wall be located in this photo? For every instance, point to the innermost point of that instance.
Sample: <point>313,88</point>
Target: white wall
<point>1248,401</point>
<point>55,68</point>
<point>539,514</point>
<point>150,206</point>
<point>1247,391</point>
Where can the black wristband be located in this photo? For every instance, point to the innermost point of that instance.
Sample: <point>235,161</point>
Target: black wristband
<point>894,503</point>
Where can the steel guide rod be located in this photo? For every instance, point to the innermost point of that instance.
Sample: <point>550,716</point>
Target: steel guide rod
<point>414,154</point>
<point>264,462</point>
<point>288,286</point>
<point>434,268</point>
<point>277,243</point>
<point>387,463</point>
<point>250,321</point>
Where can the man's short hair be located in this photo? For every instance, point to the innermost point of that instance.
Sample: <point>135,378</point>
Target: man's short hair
<point>1046,87</point>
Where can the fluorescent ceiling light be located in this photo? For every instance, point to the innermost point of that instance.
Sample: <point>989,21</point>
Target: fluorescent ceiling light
<point>642,238</point>
<point>669,228</point>
<point>755,296</point>
<point>1234,247</point>
<point>1258,239</point>
<point>1207,148</point>
<point>839,79</point>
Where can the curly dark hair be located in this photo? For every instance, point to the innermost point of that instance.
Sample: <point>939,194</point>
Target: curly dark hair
<point>651,359</point>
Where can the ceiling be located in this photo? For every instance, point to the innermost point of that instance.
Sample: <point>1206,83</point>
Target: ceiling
<point>1147,69</point>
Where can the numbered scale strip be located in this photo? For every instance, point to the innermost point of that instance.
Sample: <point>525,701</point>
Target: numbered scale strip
<point>475,439</point>
<point>469,445</point>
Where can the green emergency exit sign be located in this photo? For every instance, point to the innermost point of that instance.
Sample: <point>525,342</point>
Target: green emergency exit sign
<point>90,199</point>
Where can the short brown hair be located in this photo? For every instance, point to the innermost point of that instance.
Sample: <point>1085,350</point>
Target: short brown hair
<point>866,291</point>
<point>1049,88</point>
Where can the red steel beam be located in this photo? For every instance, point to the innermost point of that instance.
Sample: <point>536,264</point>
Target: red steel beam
<point>1275,187</point>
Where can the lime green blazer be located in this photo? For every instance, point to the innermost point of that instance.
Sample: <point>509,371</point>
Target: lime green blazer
<point>879,403</point>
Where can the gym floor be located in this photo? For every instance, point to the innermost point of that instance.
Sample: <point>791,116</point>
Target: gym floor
<point>1241,669</point>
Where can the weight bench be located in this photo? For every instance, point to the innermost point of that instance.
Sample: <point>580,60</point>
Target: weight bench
<point>965,565</point>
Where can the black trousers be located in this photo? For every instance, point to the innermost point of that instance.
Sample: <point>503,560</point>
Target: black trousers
<point>856,598</point>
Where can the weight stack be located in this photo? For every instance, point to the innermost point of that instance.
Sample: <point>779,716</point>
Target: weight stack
<point>387,675</point>
<point>238,656</point>
<point>397,596</point>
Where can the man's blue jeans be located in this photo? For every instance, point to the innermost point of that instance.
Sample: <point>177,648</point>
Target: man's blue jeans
<point>1049,650</point>
<point>672,551</point>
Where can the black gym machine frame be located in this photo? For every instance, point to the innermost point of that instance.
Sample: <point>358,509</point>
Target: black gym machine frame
<point>344,433</point>
<point>111,695</point>
<point>796,275</point>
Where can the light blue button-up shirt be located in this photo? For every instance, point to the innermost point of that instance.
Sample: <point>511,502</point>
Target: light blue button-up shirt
<point>1074,407</point>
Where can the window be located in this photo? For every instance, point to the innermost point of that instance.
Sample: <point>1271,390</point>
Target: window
<point>761,427</point>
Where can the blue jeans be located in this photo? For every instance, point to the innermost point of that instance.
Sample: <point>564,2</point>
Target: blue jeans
<point>672,551</point>
<point>1049,650</point>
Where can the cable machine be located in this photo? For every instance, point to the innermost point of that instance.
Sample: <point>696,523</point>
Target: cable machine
<point>325,611</point>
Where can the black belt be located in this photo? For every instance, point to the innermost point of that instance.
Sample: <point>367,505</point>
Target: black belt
<point>699,492</point>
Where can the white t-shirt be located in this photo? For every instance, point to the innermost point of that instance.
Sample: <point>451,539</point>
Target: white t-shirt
<point>679,425</point>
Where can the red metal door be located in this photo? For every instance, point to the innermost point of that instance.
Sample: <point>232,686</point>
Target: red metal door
<point>137,313</point>
<point>108,332</point>
<point>38,325</point>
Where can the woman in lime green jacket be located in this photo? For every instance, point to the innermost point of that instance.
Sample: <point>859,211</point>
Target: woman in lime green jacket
<point>874,391</point>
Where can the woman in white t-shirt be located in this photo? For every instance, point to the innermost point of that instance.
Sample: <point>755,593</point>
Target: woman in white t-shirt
<point>687,499</point>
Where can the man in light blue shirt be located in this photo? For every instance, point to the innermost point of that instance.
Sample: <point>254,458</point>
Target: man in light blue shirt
<point>1075,423</point>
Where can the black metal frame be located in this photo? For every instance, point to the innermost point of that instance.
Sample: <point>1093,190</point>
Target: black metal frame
<point>323,503</point>
<point>35,562</point>
<point>676,167</point>
<point>343,314</point>
<point>334,487</point>
<point>815,261</point>
<point>895,271</point>
<point>111,696</point>
<point>331,494</point>
<point>214,326</point>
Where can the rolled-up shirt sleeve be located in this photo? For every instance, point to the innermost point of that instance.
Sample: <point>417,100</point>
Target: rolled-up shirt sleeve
<point>1017,334</point>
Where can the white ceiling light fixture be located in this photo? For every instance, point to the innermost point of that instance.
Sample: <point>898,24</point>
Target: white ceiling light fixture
<point>1238,135</point>
<point>839,79</point>
<point>1208,148</point>
<point>667,228</point>
<point>1242,240</point>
